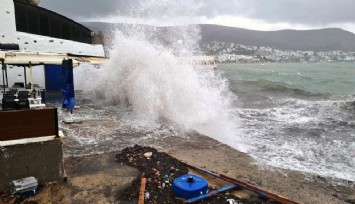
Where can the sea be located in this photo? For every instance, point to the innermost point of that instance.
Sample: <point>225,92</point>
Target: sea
<point>292,116</point>
<point>298,116</point>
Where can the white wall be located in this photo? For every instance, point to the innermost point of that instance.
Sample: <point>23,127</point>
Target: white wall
<point>7,22</point>
<point>16,74</point>
<point>38,43</point>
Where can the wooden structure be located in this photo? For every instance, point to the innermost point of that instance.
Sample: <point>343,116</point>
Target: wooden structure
<point>30,145</point>
<point>26,124</point>
<point>142,191</point>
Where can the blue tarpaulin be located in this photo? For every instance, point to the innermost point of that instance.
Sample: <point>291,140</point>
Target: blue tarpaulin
<point>67,85</point>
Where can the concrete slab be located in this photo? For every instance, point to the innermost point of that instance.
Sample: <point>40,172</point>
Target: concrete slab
<point>91,179</point>
<point>43,160</point>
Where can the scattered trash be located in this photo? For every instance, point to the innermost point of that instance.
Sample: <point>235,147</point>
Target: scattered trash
<point>146,195</point>
<point>231,201</point>
<point>26,186</point>
<point>20,190</point>
<point>160,172</point>
<point>148,155</point>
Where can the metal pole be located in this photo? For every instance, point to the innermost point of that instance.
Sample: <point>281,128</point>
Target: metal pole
<point>24,70</point>
<point>3,75</point>
<point>7,79</point>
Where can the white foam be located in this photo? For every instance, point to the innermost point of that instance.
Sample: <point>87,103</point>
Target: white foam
<point>146,79</point>
<point>144,75</point>
<point>303,135</point>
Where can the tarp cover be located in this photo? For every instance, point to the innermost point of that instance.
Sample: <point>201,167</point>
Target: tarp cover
<point>67,85</point>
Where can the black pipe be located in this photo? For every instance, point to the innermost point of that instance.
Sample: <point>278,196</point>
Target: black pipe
<point>3,75</point>
<point>7,79</point>
<point>24,70</point>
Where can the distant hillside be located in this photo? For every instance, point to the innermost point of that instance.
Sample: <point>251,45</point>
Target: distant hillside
<point>99,26</point>
<point>313,40</point>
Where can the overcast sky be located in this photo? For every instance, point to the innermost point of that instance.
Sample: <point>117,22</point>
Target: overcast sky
<point>251,14</point>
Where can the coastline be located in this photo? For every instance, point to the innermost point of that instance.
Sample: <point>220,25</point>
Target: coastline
<point>297,186</point>
<point>99,178</point>
<point>193,148</point>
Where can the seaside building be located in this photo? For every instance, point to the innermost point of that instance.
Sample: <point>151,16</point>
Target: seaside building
<point>34,28</point>
<point>34,37</point>
<point>30,28</point>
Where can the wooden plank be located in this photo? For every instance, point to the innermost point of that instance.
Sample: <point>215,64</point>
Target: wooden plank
<point>26,124</point>
<point>26,141</point>
<point>142,190</point>
<point>31,140</point>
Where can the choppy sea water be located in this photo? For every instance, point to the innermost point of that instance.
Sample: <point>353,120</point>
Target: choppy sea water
<point>293,116</point>
<point>298,116</point>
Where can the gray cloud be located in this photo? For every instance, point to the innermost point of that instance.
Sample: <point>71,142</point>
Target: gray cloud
<point>81,9</point>
<point>307,12</point>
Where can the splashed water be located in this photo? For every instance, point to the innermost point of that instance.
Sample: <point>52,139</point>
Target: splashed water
<point>147,88</point>
<point>145,75</point>
<point>296,121</point>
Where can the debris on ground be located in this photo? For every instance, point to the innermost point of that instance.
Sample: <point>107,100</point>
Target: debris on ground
<point>8,198</point>
<point>160,170</point>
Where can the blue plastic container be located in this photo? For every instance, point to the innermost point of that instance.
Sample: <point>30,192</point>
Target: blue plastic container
<point>189,186</point>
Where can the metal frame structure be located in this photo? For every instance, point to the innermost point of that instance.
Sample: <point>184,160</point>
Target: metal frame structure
<point>24,59</point>
<point>43,58</point>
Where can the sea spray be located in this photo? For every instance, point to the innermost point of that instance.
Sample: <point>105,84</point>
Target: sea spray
<point>145,75</point>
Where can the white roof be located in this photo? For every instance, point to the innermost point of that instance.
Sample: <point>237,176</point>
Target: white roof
<point>40,58</point>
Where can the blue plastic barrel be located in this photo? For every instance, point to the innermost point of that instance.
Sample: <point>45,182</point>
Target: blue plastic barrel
<point>189,186</point>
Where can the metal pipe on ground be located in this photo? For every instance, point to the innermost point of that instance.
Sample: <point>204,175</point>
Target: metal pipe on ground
<point>261,192</point>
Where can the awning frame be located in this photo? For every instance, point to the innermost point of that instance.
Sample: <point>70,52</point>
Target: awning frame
<point>43,58</point>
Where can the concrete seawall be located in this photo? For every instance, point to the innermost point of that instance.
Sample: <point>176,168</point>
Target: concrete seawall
<point>42,160</point>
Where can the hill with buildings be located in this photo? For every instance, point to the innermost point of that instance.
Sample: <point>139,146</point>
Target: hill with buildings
<point>304,40</point>
<point>241,45</point>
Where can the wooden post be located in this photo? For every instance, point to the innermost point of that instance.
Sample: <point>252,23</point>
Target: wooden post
<point>142,190</point>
